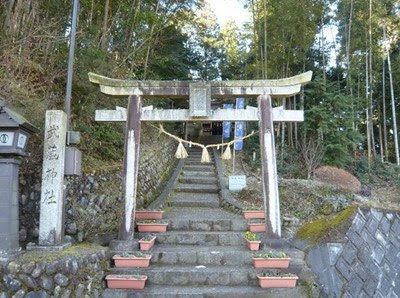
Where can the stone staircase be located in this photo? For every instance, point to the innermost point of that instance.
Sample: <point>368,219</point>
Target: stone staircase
<point>203,253</point>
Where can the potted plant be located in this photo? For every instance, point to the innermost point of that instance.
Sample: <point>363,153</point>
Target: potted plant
<point>267,280</point>
<point>152,226</point>
<point>135,281</point>
<point>147,242</point>
<point>271,260</point>
<point>257,226</point>
<point>254,212</point>
<point>136,259</point>
<point>253,242</point>
<point>148,214</point>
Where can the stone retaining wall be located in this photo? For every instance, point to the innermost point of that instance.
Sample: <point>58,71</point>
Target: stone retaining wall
<point>367,264</point>
<point>77,271</point>
<point>94,202</point>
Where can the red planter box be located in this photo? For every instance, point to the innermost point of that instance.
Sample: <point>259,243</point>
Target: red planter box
<point>253,245</point>
<point>277,281</point>
<point>257,227</point>
<point>147,214</point>
<point>152,227</point>
<point>271,262</point>
<point>249,214</point>
<point>125,282</point>
<point>146,245</point>
<point>131,261</point>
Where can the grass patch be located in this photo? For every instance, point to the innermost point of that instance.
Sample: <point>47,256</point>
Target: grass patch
<point>319,229</point>
<point>76,250</point>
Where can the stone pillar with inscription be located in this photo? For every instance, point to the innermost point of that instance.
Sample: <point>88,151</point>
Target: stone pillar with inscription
<point>51,227</point>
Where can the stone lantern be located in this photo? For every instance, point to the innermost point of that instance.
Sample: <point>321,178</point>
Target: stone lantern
<point>15,131</point>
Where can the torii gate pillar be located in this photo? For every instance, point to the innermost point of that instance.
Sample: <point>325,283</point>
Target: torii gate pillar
<point>268,166</point>
<point>131,166</point>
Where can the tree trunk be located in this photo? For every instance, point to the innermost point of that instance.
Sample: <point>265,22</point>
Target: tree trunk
<point>396,142</point>
<point>348,45</point>
<point>371,82</point>
<point>146,63</point>
<point>256,43</point>
<point>367,116</point>
<point>104,29</point>
<point>265,42</point>
<point>384,111</point>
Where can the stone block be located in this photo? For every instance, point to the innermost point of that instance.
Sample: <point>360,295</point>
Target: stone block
<point>378,253</point>
<point>187,257</point>
<point>206,258</point>
<point>358,223</point>
<point>368,238</point>
<point>396,226</point>
<point>349,253</point>
<point>377,214</point>
<point>372,224</point>
<point>384,226</point>
<point>384,285</point>
<point>334,251</point>
<point>178,278</point>
<point>381,238</point>
<point>355,286</point>
<point>392,254</point>
<point>359,269</point>
<point>355,238</point>
<point>169,258</point>
<point>370,285</point>
<point>222,225</point>
<point>343,268</point>
<point>200,225</point>
<point>239,278</point>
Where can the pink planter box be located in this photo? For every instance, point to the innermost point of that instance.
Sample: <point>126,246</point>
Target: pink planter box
<point>146,245</point>
<point>257,227</point>
<point>152,227</point>
<point>131,261</point>
<point>277,281</point>
<point>260,214</point>
<point>253,245</point>
<point>140,215</point>
<point>271,262</point>
<point>125,282</point>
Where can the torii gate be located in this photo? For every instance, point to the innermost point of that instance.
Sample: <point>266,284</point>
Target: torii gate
<point>199,94</point>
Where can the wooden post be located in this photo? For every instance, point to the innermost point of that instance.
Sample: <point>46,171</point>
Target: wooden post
<point>131,166</point>
<point>268,166</point>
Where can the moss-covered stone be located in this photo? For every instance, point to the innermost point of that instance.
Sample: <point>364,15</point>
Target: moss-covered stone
<point>317,230</point>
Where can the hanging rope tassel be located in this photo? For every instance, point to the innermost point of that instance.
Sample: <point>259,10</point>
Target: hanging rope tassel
<point>181,151</point>
<point>227,154</point>
<point>205,157</point>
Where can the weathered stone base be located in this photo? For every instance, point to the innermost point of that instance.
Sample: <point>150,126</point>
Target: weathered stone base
<point>48,247</point>
<point>124,245</point>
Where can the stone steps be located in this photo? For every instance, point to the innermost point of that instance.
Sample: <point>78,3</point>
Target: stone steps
<point>195,275</point>
<point>192,218</point>
<point>164,254</point>
<point>197,188</point>
<point>186,179</point>
<point>206,292</point>
<point>201,238</point>
<point>199,168</point>
<point>198,173</point>
<point>183,199</point>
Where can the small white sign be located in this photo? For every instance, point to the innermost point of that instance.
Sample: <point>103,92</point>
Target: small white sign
<point>21,141</point>
<point>237,183</point>
<point>6,138</point>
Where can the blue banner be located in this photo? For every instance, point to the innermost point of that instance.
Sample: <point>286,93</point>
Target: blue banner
<point>226,125</point>
<point>239,125</point>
